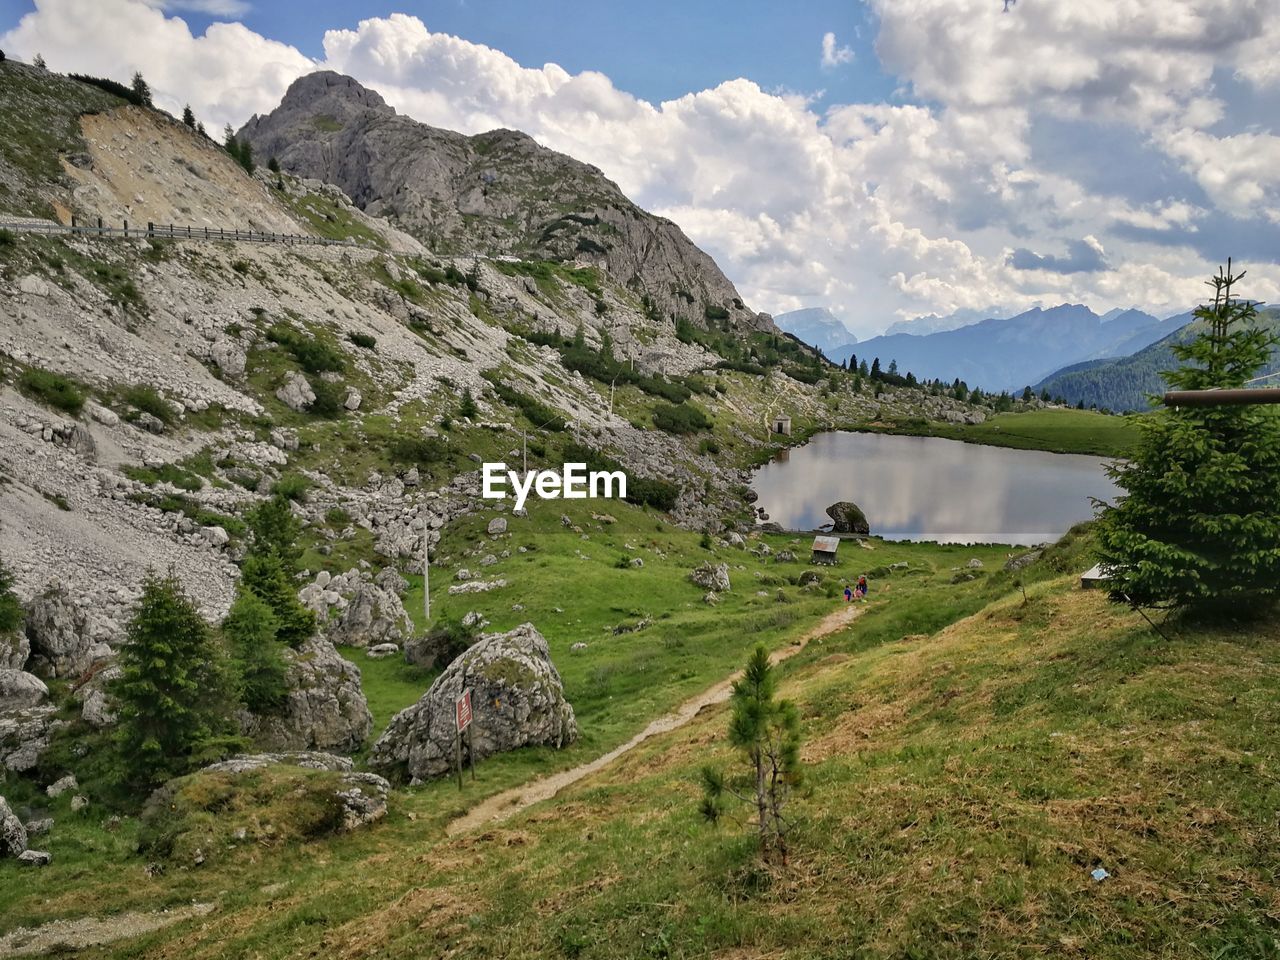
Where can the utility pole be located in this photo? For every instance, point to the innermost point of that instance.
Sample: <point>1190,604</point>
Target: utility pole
<point>426,577</point>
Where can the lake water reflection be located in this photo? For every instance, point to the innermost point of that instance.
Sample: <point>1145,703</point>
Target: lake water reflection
<point>926,488</point>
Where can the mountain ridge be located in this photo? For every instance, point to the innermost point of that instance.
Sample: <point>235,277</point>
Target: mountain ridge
<point>498,193</point>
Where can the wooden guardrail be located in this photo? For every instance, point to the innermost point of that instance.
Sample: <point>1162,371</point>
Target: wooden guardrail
<point>167,231</point>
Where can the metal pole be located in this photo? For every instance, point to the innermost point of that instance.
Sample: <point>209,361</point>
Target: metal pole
<point>426,575</point>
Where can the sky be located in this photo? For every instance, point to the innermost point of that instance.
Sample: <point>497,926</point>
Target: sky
<point>886,159</point>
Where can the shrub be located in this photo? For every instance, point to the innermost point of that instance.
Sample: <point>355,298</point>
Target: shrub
<point>292,486</point>
<point>7,238</point>
<point>467,408</point>
<point>417,451</point>
<point>53,389</point>
<point>165,473</point>
<point>10,606</point>
<point>714,311</point>
<point>147,399</point>
<point>336,516</point>
<point>363,340</point>
<point>329,399</point>
<point>240,266</point>
<point>680,419</point>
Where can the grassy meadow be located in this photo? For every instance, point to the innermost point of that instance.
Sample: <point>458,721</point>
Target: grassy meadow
<point>1054,430</point>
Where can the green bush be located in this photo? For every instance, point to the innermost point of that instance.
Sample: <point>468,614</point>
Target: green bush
<point>52,389</point>
<point>165,473</point>
<point>10,606</point>
<point>147,399</point>
<point>292,486</point>
<point>329,399</point>
<point>7,238</point>
<point>417,451</point>
<point>680,419</point>
<point>312,354</point>
<point>363,340</point>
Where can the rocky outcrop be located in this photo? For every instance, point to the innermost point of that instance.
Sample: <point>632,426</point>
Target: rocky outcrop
<point>362,797</point>
<point>517,699</point>
<point>499,192</point>
<point>847,517</point>
<point>325,710</point>
<point>97,707</point>
<point>58,631</point>
<point>296,394</point>
<point>26,720</point>
<point>359,610</point>
<point>711,576</point>
<point>15,648</point>
<point>20,690</point>
<point>13,835</point>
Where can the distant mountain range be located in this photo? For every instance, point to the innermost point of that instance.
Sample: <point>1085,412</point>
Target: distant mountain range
<point>932,323</point>
<point>1008,354</point>
<point>1126,383</point>
<point>818,327</point>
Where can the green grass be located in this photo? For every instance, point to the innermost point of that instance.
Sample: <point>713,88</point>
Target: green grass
<point>969,758</point>
<point>52,389</point>
<point>389,684</point>
<point>1057,431</point>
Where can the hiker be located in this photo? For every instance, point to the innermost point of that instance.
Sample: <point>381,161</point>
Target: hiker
<point>848,594</point>
<point>862,587</point>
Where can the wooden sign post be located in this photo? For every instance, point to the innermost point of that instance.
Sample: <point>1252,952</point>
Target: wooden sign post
<point>462,718</point>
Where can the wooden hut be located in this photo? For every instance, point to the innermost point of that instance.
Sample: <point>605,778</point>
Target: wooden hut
<point>824,550</point>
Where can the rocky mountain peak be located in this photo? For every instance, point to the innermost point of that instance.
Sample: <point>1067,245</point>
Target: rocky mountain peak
<point>499,193</point>
<point>329,86</point>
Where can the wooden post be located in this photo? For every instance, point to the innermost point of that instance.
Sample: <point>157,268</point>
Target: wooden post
<point>99,226</point>
<point>457,743</point>
<point>471,748</point>
<point>126,229</point>
<point>426,576</point>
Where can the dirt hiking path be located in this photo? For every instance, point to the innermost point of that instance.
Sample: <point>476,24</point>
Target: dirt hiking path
<point>63,936</point>
<point>506,804</point>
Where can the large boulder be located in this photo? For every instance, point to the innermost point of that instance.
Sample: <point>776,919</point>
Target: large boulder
<point>13,835</point>
<point>15,648</point>
<point>20,690</point>
<point>711,576</point>
<point>24,732</point>
<point>296,394</point>
<point>362,797</point>
<point>58,631</point>
<point>325,710</point>
<point>97,706</point>
<point>356,610</point>
<point>517,701</point>
<point>848,517</point>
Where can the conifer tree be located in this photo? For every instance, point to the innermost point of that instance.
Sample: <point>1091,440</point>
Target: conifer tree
<point>188,116</point>
<point>1199,527</point>
<point>467,408</point>
<point>39,63</point>
<point>275,531</point>
<point>767,733</point>
<point>171,684</point>
<point>251,630</point>
<point>267,579</point>
<point>141,89</point>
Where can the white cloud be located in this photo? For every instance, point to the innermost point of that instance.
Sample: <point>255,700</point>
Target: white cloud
<point>879,211</point>
<point>832,55</point>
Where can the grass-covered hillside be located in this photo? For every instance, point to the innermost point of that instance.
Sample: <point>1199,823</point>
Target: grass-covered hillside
<point>976,744</point>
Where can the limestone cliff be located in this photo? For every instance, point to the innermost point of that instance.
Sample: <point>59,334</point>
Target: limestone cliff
<point>493,194</point>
